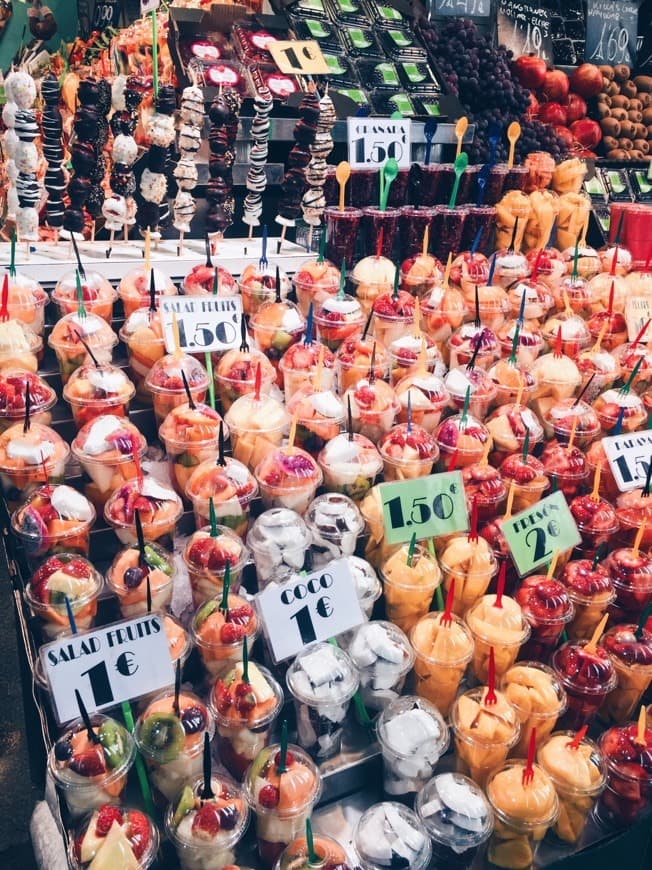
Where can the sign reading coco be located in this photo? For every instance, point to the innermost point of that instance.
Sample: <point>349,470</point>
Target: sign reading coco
<point>112,664</point>
<point>309,608</point>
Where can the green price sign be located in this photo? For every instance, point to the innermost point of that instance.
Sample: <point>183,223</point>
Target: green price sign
<point>429,506</point>
<point>535,534</point>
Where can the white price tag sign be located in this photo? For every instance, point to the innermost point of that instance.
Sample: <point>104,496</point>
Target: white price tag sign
<point>638,310</point>
<point>108,665</point>
<point>629,457</point>
<point>372,141</point>
<point>147,6</point>
<point>206,323</point>
<point>309,608</point>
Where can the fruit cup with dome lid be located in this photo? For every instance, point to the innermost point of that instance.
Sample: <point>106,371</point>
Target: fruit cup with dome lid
<point>276,326</point>
<point>319,413</point>
<point>235,374</point>
<point>288,476</point>
<point>461,436</point>
<point>374,404</point>
<point>299,362</point>
<point>316,280</point>
<point>338,317</point>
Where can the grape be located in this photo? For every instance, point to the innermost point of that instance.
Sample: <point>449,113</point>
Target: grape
<point>479,74</point>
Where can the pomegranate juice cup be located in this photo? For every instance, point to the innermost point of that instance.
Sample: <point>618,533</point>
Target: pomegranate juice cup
<point>588,675</point>
<point>341,234</point>
<point>628,794</point>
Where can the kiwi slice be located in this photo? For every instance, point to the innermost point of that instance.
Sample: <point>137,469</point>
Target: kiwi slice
<point>204,612</point>
<point>113,743</point>
<point>186,803</point>
<point>162,736</point>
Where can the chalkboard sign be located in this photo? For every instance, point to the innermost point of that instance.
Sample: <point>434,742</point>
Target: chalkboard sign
<point>462,8</point>
<point>611,32</point>
<point>106,14</point>
<point>525,28</point>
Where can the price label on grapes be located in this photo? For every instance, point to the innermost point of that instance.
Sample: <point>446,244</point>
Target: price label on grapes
<point>525,28</point>
<point>629,458</point>
<point>537,533</point>
<point>108,665</point>
<point>309,608</point>
<point>611,32</point>
<point>205,323</point>
<point>463,8</point>
<point>372,141</point>
<point>429,506</point>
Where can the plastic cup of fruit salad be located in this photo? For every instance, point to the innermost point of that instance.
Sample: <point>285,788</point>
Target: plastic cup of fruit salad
<point>232,488</point>
<point>70,352</point>
<point>95,390</point>
<point>142,335</point>
<point>128,579</point>
<point>159,507</point>
<point>205,558</point>
<point>134,288</point>
<point>288,477</point>
<point>104,448</point>
<point>62,576</point>
<point>219,634</point>
<point>114,836</point>
<point>190,436</point>
<point>25,455</point>
<point>97,293</point>
<point>164,381</point>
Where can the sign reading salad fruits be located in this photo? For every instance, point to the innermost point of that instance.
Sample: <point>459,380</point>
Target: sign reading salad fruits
<point>537,533</point>
<point>629,458</point>
<point>430,506</point>
<point>206,324</point>
<point>309,608</point>
<point>107,666</point>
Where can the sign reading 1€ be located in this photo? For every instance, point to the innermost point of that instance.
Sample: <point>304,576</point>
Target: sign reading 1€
<point>308,608</point>
<point>430,506</point>
<point>109,665</point>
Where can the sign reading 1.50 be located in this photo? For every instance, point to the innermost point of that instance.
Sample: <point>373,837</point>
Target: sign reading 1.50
<point>429,506</point>
<point>372,141</point>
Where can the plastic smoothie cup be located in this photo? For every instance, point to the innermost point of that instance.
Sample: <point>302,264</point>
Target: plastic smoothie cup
<point>442,652</point>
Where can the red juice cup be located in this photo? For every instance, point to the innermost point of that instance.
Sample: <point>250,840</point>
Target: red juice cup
<point>631,654</point>
<point>515,178</point>
<point>425,180</point>
<point>447,230</point>
<point>412,226</point>
<point>447,180</point>
<point>399,189</point>
<point>588,675</point>
<point>374,220</point>
<point>547,607</point>
<point>479,217</point>
<point>364,187</point>
<point>342,234</point>
<point>493,189</point>
<point>629,775</point>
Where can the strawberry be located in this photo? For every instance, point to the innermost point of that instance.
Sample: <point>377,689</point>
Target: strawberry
<point>200,551</point>
<point>268,796</point>
<point>138,832</point>
<point>289,759</point>
<point>303,278</point>
<point>38,582</point>
<point>106,816</point>
<point>231,633</point>
<point>206,823</point>
<point>241,615</point>
<point>78,568</point>
<point>90,763</point>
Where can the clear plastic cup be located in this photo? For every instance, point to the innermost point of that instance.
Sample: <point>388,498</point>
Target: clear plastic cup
<point>288,477</point>
<point>172,742</point>
<point>342,233</point>
<point>587,678</point>
<point>350,464</point>
<point>231,486</point>
<point>194,846</point>
<point>376,849</point>
<point>413,736</point>
<point>95,390</point>
<point>219,636</point>
<point>25,457</point>
<point>243,736</point>
<point>484,734</point>
<point>97,293</point>
<point>159,518</point>
<point>74,757</point>
<point>164,381</point>
<point>408,453</point>
<point>409,588</point>
<point>258,285</point>
<point>628,794</point>
<point>255,428</point>
<point>591,592</point>
<point>199,444</point>
<point>373,221</point>
<point>277,825</point>
<point>534,691</point>
<point>578,781</point>
<point>503,629</point>
<point>330,855</point>
<point>337,319</point>
<point>335,523</point>
<point>383,656</point>
<point>457,817</point>
<point>299,365</point>
<point>77,580</point>
<point>447,230</point>
<point>70,352</point>
<point>315,281</point>
<point>205,558</point>
<point>472,565</point>
<point>86,849</point>
<point>134,288</point>
<point>632,659</point>
<point>442,653</point>
<point>548,608</point>
<point>412,225</point>
<point>522,815</point>
<point>20,348</point>
<point>26,302</point>
<point>235,376</point>
<point>142,335</point>
<point>322,680</point>
<point>279,540</point>
<point>129,581</point>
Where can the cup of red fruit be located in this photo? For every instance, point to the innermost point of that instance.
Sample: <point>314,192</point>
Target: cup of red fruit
<point>631,574</point>
<point>591,591</point>
<point>628,794</point>
<point>547,607</point>
<point>588,675</point>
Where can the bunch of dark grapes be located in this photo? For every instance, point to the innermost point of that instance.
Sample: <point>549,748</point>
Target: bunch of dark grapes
<point>479,74</point>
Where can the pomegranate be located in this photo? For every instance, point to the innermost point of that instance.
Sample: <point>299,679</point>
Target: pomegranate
<point>556,86</point>
<point>586,80</point>
<point>587,133</point>
<point>532,110</point>
<point>530,71</point>
<point>575,108</point>
<point>565,136</point>
<point>552,113</point>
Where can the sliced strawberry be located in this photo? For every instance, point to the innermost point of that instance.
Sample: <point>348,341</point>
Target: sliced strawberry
<point>206,824</point>
<point>231,633</point>
<point>38,582</point>
<point>77,568</point>
<point>200,551</point>
<point>138,832</point>
<point>90,763</point>
<point>106,816</point>
<point>241,615</point>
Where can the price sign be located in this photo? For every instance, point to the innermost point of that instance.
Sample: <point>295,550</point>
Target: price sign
<point>535,534</point>
<point>638,310</point>
<point>309,608</point>
<point>524,27</point>
<point>629,458</point>
<point>147,6</point>
<point>373,140</point>
<point>429,506</point>
<point>206,323</point>
<point>109,665</point>
<point>463,8</point>
<point>611,31</point>
<point>106,14</point>
<point>298,57</point>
